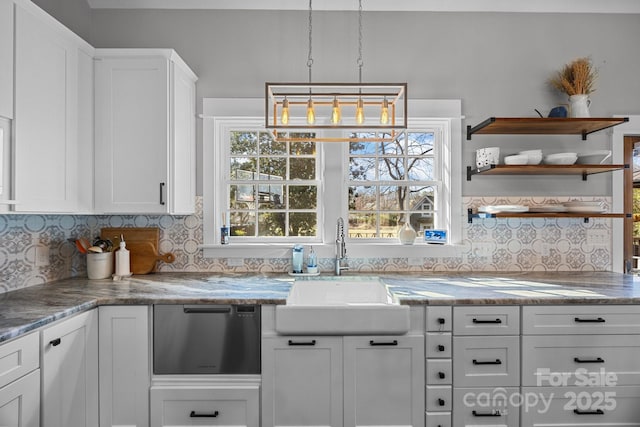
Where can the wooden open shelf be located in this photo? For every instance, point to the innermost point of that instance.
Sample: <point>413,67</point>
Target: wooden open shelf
<point>585,215</point>
<point>544,125</point>
<point>583,170</point>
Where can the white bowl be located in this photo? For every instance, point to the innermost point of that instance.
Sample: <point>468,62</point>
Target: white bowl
<point>595,157</point>
<point>516,159</point>
<point>561,158</point>
<point>534,156</point>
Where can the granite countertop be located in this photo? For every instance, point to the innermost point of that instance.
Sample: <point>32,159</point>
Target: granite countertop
<point>26,309</point>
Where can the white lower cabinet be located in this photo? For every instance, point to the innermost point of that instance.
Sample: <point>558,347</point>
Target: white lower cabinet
<point>205,406</point>
<point>302,381</point>
<point>343,381</point>
<point>20,382</point>
<point>490,406</point>
<point>69,369</point>
<point>124,366</point>
<point>575,406</point>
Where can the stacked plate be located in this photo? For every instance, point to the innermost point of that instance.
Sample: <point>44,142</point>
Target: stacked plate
<point>503,209</point>
<point>586,207</point>
<point>551,208</point>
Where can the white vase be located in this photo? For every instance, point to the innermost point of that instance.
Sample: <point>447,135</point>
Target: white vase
<point>580,105</point>
<point>407,235</point>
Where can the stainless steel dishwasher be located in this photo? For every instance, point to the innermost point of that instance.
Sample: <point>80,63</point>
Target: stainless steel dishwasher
<point>206,339</point>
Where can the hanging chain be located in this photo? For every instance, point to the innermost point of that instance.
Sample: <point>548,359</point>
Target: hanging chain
<point>360,63</point>
<point>309,57</point>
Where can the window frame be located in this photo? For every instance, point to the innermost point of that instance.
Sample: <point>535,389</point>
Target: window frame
<point>219,113</point>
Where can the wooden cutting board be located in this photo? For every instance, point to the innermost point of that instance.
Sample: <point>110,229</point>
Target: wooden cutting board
<point>142,242</point>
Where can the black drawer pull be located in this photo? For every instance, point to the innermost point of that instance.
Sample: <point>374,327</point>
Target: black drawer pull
<point>394,342</point>
<point>596,360</point>
<point>487,362</point>
<point>55,342</point>
<point>478,321</point>
<point>598,320</point>
<point>440,347</point>
<point>312,342</point>
<point>441,402</point>
<point>441,320</point>
<point>162,193</point>
<point>581,412</point>
<point>441,375</point>
<point>495,413</point>
<point>194,414</point>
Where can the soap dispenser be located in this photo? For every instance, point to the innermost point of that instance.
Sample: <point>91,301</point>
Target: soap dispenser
<point>122,259</point>
<point>312,262</point>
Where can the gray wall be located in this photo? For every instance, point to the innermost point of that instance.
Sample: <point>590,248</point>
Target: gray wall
<point>497,63</point>
<point>74,14</point>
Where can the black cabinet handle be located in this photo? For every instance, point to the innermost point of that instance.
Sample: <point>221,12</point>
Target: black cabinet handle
<point>441,375</point>
<point>312,342</point>
<point>495,413</point>
<point>487,362</point>
<point>581,412</point>
<point>194,414</point>
<point>441,402</point>
<point>394,342</point>
<point>162,193</point>
<point>55,342</point>
<point>440,347</point>
<point>596,360</point>
<point>441,320</point>
<point>480,321</point>
<point>597,320</point>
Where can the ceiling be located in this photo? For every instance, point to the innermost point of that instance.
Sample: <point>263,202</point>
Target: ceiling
<point>554,6</point>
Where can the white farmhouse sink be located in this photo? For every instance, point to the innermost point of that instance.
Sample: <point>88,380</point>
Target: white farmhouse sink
<point>341,306</point>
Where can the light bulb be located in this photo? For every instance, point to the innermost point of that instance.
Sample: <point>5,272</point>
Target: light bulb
<point>360,111</point>
<point>311,114</point>
<point>384,112</point>
<point>285,112</point>
<point>336,115</point>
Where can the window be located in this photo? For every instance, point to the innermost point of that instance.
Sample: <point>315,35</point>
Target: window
<point>280,193</point>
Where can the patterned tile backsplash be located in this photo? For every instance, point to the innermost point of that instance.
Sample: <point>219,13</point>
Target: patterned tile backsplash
<point>530,244</point>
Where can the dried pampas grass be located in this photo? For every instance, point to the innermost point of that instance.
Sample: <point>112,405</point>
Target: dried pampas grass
<point>576,78</point>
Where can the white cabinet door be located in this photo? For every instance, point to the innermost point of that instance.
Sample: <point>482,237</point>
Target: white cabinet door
<point>45,151</point>
<point>302,381</point>
<point>6,59</point>
<point>124,366</point>
<point>384,381</point>
<point>69,372</point>
<point>20,402</point>
<point>145,133</point>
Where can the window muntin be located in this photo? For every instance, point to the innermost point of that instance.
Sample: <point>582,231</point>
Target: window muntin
<point>391,182</point>
<point>272,187</point>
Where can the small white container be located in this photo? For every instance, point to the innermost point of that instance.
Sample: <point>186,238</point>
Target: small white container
<point>487,156</point>
<point>100,265</point>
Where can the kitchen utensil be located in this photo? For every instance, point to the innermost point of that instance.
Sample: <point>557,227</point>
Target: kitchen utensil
<point>144,257</point>
<point>95,250</point>
<point>82,244</point>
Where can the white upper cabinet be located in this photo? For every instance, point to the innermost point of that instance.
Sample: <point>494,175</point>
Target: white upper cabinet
<point>6,59</point>
<point>51,76</point>
<point>144,132</point>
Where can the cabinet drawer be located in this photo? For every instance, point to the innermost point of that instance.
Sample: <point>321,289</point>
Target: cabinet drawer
<point>581,319</point>
<point>204,406</point>
<point>439,371</point>
<point>486,361</point>
<point>568,360</point>
<point>438,398</point>
<point>486,406</point>
<point>438,319</point>
<point>494,320</point>
<point>20,402</point>
<point>438,419</point>
<point>19,357</point>
<point>438,345</point>
<point>577,406</point>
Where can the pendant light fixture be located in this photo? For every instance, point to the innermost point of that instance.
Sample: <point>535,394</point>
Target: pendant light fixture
<point>378,110</point>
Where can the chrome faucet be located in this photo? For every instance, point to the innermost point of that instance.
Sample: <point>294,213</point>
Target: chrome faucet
<point>341,248</point>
